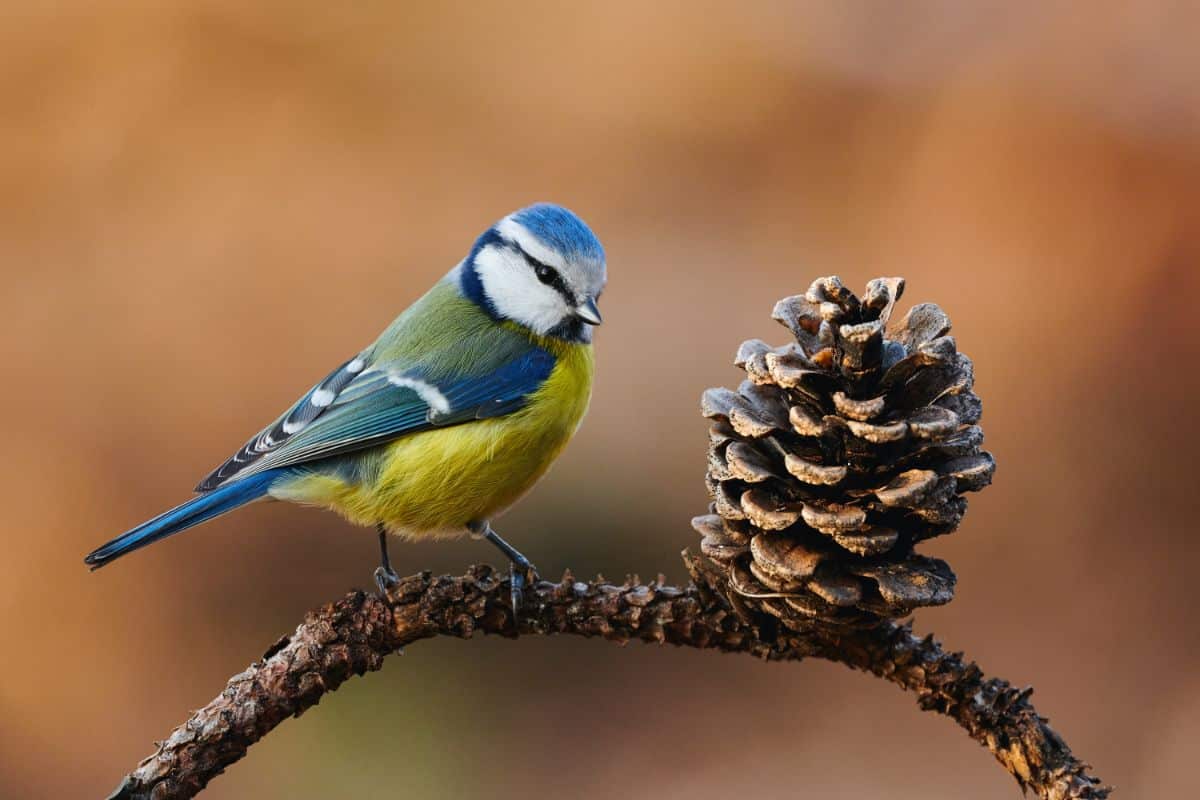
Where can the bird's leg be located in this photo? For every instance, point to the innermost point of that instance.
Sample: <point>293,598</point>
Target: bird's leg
<point>517,577</point>
<point>385,576</point>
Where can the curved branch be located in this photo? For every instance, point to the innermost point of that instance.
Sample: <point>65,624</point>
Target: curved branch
<point>353,636</point>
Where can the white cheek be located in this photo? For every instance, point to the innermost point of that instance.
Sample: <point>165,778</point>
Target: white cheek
<point>516,292</point>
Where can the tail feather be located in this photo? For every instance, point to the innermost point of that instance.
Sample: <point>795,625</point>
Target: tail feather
<point>193,512</point>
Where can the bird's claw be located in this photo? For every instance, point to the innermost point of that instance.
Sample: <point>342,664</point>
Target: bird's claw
<point>519,576</point>
<point>521,572</point>
<point>386,579</point>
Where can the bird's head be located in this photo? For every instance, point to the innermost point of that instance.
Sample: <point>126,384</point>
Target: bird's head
<point>540,267</point>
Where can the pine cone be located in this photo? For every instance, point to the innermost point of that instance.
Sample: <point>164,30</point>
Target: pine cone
<point>840,452</point>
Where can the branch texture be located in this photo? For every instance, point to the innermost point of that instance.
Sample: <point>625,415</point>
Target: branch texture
<point>355,634</point>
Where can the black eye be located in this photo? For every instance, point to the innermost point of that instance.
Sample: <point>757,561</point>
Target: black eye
<point>545,273</point>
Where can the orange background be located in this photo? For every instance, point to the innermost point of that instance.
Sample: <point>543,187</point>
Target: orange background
<point>204,206</point>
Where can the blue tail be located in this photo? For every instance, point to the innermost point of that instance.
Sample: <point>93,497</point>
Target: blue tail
<point>193,512</point>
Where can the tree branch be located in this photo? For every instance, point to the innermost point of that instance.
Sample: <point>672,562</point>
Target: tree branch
<point>353,636</point>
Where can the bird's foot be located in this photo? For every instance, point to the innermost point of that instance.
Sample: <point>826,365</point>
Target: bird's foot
<point>521,571</point>
<point>386,579</point>
<point>520,575</point>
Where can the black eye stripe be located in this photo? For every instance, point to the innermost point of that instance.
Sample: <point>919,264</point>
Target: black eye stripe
<point>549,276</point>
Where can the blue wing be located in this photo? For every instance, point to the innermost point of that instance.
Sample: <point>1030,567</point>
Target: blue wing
<point>300,415</point>
<point>360,405</point>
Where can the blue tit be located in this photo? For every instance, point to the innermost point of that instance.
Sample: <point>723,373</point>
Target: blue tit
<point>453,414</point>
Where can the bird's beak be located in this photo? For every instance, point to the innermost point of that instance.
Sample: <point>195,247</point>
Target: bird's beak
<point>588,312</point>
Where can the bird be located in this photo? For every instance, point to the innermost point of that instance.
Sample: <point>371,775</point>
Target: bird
<point>448,418</point>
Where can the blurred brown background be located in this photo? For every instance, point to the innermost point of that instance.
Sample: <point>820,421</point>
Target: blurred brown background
<point>204,205</point>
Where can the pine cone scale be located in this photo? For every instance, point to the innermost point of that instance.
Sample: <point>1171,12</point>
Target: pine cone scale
<point>839,452</point>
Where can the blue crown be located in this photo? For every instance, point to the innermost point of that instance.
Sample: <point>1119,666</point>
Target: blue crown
<point>562,231</point>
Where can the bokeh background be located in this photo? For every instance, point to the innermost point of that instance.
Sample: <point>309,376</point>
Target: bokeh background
<point>205,203</point>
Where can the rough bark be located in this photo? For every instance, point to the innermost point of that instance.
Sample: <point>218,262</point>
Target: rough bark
<point>355,634</point>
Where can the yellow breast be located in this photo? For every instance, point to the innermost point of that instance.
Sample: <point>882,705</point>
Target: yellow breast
<point>434,483</point>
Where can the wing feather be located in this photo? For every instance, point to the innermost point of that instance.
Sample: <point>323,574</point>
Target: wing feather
<point>315,402</point>
<point>374,403</point>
